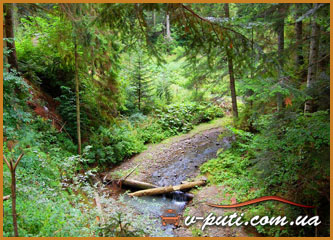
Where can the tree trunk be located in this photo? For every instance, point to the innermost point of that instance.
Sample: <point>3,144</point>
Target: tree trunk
<point>139,90</point>
<point>139,95</point>
<point>154,18</point>
<point>4,41</point>
<point>168,31</point>
<point>313,59</point>
<point>9,31</point>
<point>77,93</point>
<point>12,168</point>
<point>231,73</point>
<point>163,190</point>
<point>13,189</point>
<point>299,35</point>
<point>280,32</point>
<point>250,92</point>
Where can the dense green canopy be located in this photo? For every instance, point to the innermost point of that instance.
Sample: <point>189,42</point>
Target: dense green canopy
<point>88,86</point>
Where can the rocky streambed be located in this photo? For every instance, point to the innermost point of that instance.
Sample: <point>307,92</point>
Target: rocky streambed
<point>169,163</point>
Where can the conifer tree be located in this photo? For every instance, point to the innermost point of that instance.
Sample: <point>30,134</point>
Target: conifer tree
<point>231,71</point>
<point>313,58</point>
<point>141,80</point>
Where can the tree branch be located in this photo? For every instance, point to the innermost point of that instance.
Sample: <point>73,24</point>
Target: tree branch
<point>4,158</point>
<point>212,23</point>
<point>18,160</point>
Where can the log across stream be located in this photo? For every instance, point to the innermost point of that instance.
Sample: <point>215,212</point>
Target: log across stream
<point>167,189</point>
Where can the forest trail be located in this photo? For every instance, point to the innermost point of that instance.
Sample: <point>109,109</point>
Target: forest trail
<point>176,159</point>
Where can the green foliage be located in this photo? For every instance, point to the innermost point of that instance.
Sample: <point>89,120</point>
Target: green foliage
<point>141,82</point>
<point>135,88</point>
<point>48,177</point>
<point>274,162</point>
<point>182,117</point>
<point>39,180</point>
<point>67,110</point>
<point>43,57</point>
<point>119,226</point>
<point>114,145</point>
<point>299,143</point>
<point>175,119</point>
<point>15,94</point>
<point>163,88</point>
<point>151,131</point>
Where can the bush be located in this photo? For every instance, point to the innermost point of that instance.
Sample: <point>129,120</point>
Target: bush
<point>173,120</point>
<point>151,131</point>
<point>180,118</point>
<point>114,145</point>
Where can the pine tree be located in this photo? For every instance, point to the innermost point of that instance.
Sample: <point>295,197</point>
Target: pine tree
<point>231,71</point>
<point>313,58</point>
<point>141,80</point>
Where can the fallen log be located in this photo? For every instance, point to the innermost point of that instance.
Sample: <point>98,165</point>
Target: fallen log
<point>162,190</point>
<point>137,184</point>
<point>143,185</point>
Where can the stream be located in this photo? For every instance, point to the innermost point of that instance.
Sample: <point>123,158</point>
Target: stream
<point>183,167</point>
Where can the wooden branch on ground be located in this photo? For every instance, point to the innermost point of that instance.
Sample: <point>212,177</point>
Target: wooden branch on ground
<point>122,180</point>
<point>162,190</point>
<point>6,197</point>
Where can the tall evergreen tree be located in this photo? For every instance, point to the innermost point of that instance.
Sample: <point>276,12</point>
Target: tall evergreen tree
<point>231,70</point>
<point>313,58</point>
<point>299,35</point>
<point>280,28</point>
<point>141,80</point>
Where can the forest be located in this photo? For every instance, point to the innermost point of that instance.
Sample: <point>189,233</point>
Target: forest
<point>100,100</point>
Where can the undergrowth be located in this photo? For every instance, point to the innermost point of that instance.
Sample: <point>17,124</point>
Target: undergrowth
<point>274,162</point>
